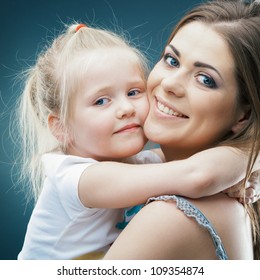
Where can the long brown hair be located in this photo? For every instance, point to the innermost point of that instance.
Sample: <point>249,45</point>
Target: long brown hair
<point>238,23</point>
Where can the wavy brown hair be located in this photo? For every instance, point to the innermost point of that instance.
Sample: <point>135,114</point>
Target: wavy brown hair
<point>238,23</point>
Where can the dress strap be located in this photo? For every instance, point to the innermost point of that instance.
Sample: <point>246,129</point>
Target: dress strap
<point>192,211</point>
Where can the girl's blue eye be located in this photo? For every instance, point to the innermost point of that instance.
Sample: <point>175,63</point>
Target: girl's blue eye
<point>207,81</point>
<point>170,60</point>
<point>133,92</point>
<point>102,101</point>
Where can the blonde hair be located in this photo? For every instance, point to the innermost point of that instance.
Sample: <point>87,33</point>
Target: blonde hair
<point>49,88</point>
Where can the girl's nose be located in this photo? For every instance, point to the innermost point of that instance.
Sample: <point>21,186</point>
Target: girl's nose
<point>125,109</point>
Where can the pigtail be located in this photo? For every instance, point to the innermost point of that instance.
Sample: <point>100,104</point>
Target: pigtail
<point>35,136</point>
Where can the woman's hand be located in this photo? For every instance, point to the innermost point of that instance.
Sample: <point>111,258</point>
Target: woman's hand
<point>252,192</point>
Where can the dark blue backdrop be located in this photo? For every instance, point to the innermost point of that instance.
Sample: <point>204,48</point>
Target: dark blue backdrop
<point>24,26</point>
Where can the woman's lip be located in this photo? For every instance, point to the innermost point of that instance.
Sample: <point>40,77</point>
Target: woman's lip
<point>171,111</point>
<point>128,128</point>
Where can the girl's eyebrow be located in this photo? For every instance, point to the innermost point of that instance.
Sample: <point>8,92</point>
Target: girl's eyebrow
<point>196,64</point>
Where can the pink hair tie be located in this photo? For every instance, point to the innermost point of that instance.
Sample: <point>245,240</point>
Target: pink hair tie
<point>80,26</point>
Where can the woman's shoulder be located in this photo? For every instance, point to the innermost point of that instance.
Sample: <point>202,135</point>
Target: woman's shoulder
<point>231,222</point>
<point>188,239</point>
<point>221,209</point>
<point>180,231</point>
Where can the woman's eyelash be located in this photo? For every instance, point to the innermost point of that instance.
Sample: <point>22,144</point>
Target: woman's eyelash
<point>171,60</point>
<point>206,80</point>
<point>203,79</point>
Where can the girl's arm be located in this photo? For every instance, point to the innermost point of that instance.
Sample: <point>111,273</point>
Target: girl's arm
<point>119,185</point>
<point>249,195</point>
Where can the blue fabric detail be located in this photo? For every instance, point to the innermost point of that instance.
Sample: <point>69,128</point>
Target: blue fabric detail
<point>129,213</point>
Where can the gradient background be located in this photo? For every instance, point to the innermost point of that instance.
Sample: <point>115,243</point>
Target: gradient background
<point>24,27</point>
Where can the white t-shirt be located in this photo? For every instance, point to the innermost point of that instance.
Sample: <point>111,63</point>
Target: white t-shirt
<point>61,227</point>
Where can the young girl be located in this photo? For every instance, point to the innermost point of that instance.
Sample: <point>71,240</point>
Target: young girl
<point>83,107</point>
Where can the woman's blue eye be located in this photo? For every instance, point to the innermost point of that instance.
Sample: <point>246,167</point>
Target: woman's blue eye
<point>170,60</point>
<point>101,101</point>
<point>207,81</point>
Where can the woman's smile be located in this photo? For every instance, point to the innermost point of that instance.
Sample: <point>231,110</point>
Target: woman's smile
<point>169,109</point>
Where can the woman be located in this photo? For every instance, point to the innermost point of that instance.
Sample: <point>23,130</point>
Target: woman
<point>204,90</point>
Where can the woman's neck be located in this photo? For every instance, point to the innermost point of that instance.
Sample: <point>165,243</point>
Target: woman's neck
<point>176,154</point>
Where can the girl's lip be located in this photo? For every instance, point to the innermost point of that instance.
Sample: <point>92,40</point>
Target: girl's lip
<point>128,128</point>
<point>171,110</point>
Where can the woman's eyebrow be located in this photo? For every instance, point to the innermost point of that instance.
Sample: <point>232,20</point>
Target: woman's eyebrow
<point>175,50</point>
<point>205,65</point>
<point>198,63</point>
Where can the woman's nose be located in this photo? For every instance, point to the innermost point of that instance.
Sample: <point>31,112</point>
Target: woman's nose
<point>174,83</point>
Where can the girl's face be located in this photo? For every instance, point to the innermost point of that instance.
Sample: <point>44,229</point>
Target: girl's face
<point>192,93</point>
<point>110,107</point>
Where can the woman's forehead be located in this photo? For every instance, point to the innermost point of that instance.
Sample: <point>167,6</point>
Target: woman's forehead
<point>197,41</point>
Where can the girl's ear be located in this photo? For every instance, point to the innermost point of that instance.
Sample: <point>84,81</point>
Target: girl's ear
<point>56,128</point>
<point>242,121</point>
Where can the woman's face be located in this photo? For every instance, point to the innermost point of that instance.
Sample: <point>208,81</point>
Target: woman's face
<point>192,93</point>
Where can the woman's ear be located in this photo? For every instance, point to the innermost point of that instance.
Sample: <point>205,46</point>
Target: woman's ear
<point>242,121</point>
<point>56,128</point>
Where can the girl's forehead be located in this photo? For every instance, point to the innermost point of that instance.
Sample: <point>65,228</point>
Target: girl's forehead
<point>103,68</point>
<point>107,52</point>
<point>88,61</point>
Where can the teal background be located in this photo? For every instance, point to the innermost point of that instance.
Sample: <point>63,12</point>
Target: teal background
<point>24,27</point>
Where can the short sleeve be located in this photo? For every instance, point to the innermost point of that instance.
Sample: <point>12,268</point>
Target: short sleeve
<point>64,173</point>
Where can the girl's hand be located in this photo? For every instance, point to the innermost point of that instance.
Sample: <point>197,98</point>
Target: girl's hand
<point>252,192</point>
